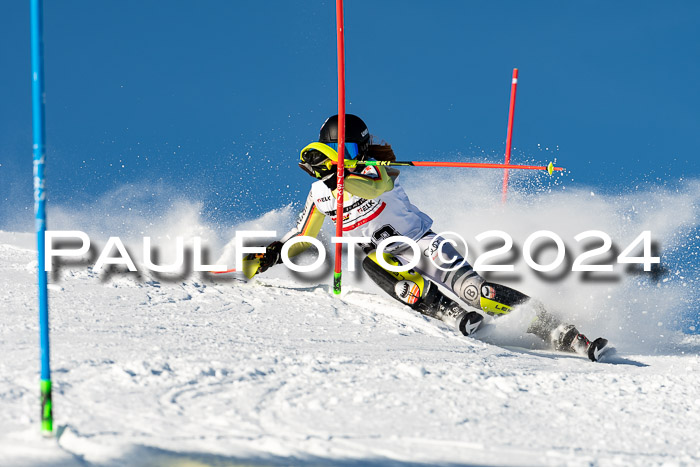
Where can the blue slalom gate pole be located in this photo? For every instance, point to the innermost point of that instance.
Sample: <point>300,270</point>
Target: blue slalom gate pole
<point>39,151</point>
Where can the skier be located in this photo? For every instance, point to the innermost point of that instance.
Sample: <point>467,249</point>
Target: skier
<point>376,206</point>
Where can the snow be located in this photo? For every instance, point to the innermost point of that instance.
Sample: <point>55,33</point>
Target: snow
<point>277,371</point>
<point>211,370</point>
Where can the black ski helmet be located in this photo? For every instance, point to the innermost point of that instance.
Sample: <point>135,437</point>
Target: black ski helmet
<point>356,131</point>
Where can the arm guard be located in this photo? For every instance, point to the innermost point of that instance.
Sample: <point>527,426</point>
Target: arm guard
<point>370,183</point>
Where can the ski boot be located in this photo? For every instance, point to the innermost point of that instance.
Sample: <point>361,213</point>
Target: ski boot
<point>467,322</point>
<point>420,294</point>
<point>437,305</point>
<point>566,338</point>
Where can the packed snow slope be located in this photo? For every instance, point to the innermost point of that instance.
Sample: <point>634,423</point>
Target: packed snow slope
<point>212,370</point>
<point>151,372</point>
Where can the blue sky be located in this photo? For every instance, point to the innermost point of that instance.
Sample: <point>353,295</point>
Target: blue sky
<point>216,98</point>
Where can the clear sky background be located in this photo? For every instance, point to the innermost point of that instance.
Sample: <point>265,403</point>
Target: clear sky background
<point>216,98</point>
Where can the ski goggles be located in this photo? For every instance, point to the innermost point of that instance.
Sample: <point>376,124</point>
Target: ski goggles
<point>352,150</point>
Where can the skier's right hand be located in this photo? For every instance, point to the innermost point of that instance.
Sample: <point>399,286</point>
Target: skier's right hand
<point>272,256</point>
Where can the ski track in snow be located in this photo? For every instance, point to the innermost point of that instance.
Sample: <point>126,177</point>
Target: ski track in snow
<point>218,371</point>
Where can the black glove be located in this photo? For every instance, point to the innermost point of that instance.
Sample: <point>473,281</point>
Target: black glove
<point>272,256</point>
<point>316,164</point>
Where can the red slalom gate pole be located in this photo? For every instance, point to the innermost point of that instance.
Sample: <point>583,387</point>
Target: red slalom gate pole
<point>341,148</point>
<point>509,137</point>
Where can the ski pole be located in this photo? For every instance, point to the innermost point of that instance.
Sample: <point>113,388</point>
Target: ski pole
<point>349,164</point>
